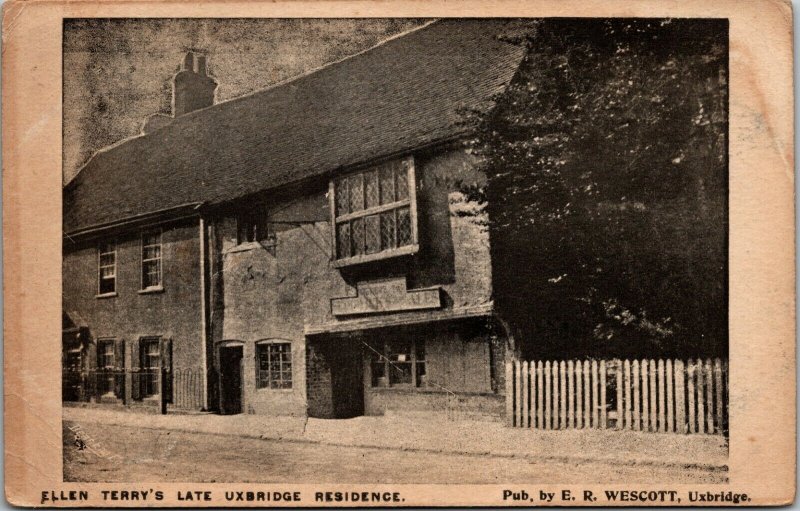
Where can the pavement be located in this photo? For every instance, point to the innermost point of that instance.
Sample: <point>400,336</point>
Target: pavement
<point>435,432</point>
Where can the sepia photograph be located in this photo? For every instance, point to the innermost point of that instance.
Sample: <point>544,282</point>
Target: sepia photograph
<point>396,250</point>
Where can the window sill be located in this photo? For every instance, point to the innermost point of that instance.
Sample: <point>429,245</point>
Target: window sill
<point>151,290</point>
<point>386,254</point>
<point>267,389</point>
<point>250,245</point>
<point>106,295</point>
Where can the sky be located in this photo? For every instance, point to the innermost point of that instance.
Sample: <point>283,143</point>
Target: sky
<point>117,72</point>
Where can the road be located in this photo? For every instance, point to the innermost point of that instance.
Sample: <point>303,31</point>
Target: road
<point>125,454</point>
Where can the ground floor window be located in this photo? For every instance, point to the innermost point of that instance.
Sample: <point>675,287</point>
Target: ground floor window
<point>274,365</point>
<point>398,362</point>
<point>106,363</point>
<point>105,354</point>
<point>150,353</point>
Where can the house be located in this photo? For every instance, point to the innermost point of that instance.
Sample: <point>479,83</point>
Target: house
<point>309,249</point>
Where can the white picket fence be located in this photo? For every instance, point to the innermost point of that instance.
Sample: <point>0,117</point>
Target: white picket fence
<point>664,396</point>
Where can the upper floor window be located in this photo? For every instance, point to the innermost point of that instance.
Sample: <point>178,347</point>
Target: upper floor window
<point>151,260</point>
<point>375,213</point>
<point>252,226</point>
<point>107,269</point>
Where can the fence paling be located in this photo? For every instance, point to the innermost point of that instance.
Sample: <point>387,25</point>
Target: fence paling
<point>680,398</point>
<point>718,390</point>
<point>181,388</point>
<point>670,396</point>
<point>663,396</point>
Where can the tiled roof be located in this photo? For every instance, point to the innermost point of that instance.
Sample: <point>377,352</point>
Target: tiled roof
<point>408,92</point>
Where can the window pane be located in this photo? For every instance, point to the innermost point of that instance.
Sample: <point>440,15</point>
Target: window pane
<point>153,252</point>
<point>402,182</point>
<point>251,228</point>
<point>342,197</point>
<point>378,365</point>
<point>373,192</point>
<point>106,272</point>
<point>419,348</point>
<point>107,285</point>
<point>356,192</point>
<point>403,227</point>
<point>150,355</point>
<point>400,373</point>
<point>373,227</point>
<point>357,235</point>
<point>274,366</point>
<point>387,184</point>
<point>151,239</point>
<point>151,275</point>
<point>387,230</point>
<point>343,240</point>
<point>107,259</point>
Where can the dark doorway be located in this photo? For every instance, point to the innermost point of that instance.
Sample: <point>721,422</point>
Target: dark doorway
<point>347,380</point>
<point>230,361</point>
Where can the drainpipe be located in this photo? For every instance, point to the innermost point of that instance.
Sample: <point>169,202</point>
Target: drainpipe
<point>203,322</point>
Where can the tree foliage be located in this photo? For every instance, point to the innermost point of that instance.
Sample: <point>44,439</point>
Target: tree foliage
<point>607,165</point>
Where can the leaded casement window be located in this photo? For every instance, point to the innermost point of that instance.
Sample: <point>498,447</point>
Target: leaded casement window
<point>374,213</point>
<point>398,362</point>
<point>151,260</point>
<point>274,365</point>
<point>107,269</point>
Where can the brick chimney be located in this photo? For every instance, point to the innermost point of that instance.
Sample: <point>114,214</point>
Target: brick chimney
<point>192,88</point>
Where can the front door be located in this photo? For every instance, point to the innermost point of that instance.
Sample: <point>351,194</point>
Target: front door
<point>230,359</point>
<point>347,380</point>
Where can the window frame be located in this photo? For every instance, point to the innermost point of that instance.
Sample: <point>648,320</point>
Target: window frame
<point>101,353</point>
<point>410,202</point>
<point>257,218</point>
<point>100,254</point>
<point>151,373</point>
<point>417,383</point>
<point>265,345</point>
<point>160,285</point>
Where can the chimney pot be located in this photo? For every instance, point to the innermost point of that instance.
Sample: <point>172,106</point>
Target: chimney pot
<point>192,88</point>
<point>200,67</point>
<point>188,62</point>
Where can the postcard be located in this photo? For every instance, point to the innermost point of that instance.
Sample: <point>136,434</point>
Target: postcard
<point>357,254</point>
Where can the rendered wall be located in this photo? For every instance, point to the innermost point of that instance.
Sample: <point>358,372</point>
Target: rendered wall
<point>281,291</point>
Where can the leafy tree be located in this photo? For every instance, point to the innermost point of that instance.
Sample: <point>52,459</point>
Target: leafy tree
<point>607,194</point>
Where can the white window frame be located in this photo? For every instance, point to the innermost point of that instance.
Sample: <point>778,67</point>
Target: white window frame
<point>410,202</point>
<point>160,285</point>
<point>100,266</point>
<point>107,341</point>
<point>274,342</point>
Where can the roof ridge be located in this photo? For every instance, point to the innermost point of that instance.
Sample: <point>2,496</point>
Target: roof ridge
<point>314,70</point>
<point>255,92</point>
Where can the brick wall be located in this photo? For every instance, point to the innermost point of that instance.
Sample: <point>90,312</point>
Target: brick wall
<point>320,398</point>
<point>172,313</point>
